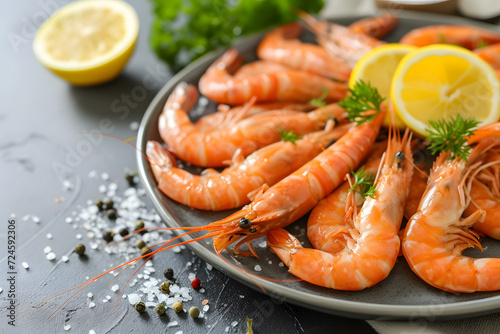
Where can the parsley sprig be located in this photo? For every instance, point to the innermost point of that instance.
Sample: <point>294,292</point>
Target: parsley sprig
<point>320,101</point>
<point>288,135</point>
<point>363,183</point>
<point>363,104</point>
<point>451,136</point>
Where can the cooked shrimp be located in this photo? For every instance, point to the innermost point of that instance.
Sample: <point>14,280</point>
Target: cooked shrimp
<point>282,45</point>
<point>417,189</point>
<point>436,235</point>
<point>372,248</point>
<point>485,188</point>
<point>377,26</point>
<point>227,115</point>
<point>327,228</point>
<point>490,54</point>
<point>340,41</point>
<point>219,84</point>
<point>231,188</point>
<point>212,148</point>
<point>466,36</point>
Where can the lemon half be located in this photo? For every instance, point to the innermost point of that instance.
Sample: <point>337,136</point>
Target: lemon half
<point>441,81</point>
<point>377,67</point>
<point>88,42</point>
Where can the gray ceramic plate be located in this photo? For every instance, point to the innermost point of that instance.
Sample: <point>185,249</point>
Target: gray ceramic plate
<point>401,296</point>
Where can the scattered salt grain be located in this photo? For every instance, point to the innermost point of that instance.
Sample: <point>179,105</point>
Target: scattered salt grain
<point>26,217</point>
<point>172,324</point>
<point>108,297</point>
<point>13,215</point>
<point>35,219</point>
<point>51,256</point>
<point>104,300</point>
<point>49,236</point>
<point>263,244</point>
<point>47,249</point>
<point>134,126</point>
<point>92,331</point>
<point>241,296</point>
<point>64,258</point>
<point>1,290</point>
<point>115,288</point>
<point>206,307</point>
<point>113,186</point>
<point>270,262</point>
<point>257,268</point>
<point>134,298</point>
<point>179,332</point>
<point>201,290</point>
<point>105,176</point>
<point>209,266</point>
<point>67,327</point>
<point>26,265</point>
<point>189,264</point>
<point>234,323</point>
<point>67,185</point>
<point>79,236</point>
<point>102,189</point>
<point>90,295</point>
<point>227,329</point>
<point>92,174</point>
<point>281,264</point>
<point>91,305</point>
<point>191,276</point>
<point>69,220</point>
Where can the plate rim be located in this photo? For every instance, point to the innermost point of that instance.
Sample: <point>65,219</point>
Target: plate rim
<point>351,309</point>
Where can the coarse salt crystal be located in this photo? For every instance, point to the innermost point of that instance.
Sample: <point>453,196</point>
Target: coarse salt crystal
<point>108,297</point>
<point>227,329</point>
<point>35,219</point>
<point>234,323</point>
<point>26,265</point>
<point>105,300</point>
<point>64,258</point>
<point>205,308</point>
<point>257,268</point>
<point>201,290</point>
<point>105,176</point>
<point>92,331</point>
<point>178,332</point>
<point>102,189</point>
<point>191,276</point>
<point>26,217</point>
<point>115,288</point>
<point>67,327</point>
<point>91,305</point>
<point>281,264</point>
<point>209,266</point>
<point>172,324</point>
<point>90,295</point>
<point>263,244</point>
<point>49,236</point>
<point>12,215</point>
<point>134,126</point>
<point>189,264</point>
<point>241,296</point>
<point>69,220</point>
<point>1,290</point>
<point>79,236</point>
<point>51,256</point>
<point>92,174</point>
<point>270,262</point>
<point>67,185</point>
<point>134,298</point>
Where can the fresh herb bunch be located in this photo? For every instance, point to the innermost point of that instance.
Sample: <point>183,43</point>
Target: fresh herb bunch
<point>363,183</point>
<point>288,135</point>
<point>451,136</point>
<point>363,99</point>
<point>184,30</point>
<point>320,101</point>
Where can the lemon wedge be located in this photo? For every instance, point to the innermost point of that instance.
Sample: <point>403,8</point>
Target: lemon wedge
<point>88,42</point>
<point>377,67</point>
<point>441,81</point>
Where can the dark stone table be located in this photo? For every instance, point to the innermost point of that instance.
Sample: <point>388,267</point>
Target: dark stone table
<point>45,160</point>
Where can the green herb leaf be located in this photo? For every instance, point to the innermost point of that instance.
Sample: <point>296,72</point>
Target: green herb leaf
<point>363,99</point>
<point>320,101</point>
<point>249,326</point>
<point>183,30</point>
<point>288,135</point>
<point>363,183</point>
<point>481,44</point>
<point>450,136</point>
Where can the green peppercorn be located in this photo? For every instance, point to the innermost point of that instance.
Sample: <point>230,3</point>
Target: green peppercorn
<point>177,307</point>
<point>111,213</point>
<point>123,232</point>
<point>99,204</point>
<point>169,273</point>
<point>160,309</point>
<point>141,244</point>
<point>108,236</point>
<point>140,307</point>
<point>80,249</point>
<point>165,287</point>
<point>130,179</point>
<point>139,224</point>
<point>194,312</point>
<point>145,250</point>
<point>109,204</point>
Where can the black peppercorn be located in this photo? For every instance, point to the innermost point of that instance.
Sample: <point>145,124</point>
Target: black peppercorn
<point>108,236</point>
<point>123,232</point>
<point>169,273</point>
<point>111,213</point>
<point>109,204</point>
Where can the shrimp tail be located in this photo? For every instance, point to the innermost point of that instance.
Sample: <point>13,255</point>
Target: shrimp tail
<point>159,158</point>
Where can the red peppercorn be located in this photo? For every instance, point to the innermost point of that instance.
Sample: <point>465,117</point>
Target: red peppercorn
<point>196,283</point>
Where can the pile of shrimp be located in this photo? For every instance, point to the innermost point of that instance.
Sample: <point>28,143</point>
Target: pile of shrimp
<point>356,240</point>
